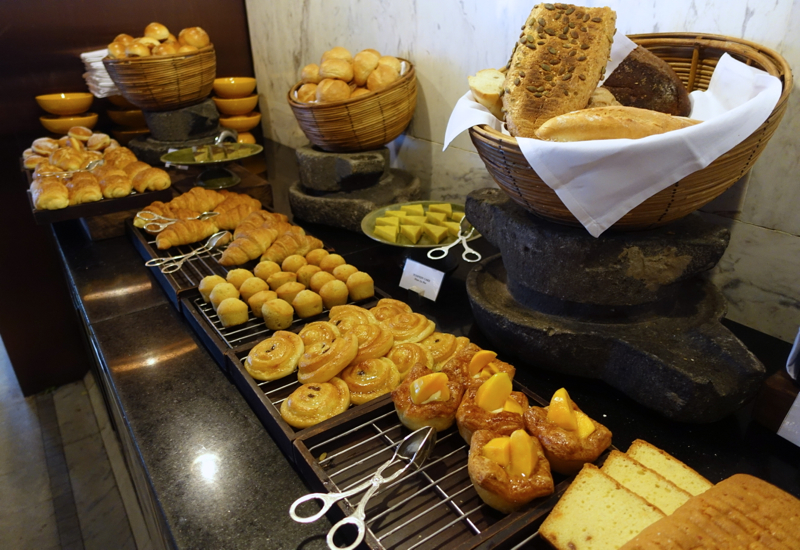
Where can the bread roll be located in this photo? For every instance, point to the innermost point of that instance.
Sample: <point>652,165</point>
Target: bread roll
<point>288,291</point>
<point>307,303</point>
<point>32,161</point>
<point>222,291</point>
<point>187,48</point>
<point>337,53</point>
<point>134,168</point>
<point>44,146</point>
<point>392,62</point>
<point>48,193</point>
<point>238,276</point>
<point>45,169</point>
<point>278,314</point>
<point>556,65</point>
<point>332,90</point>
<point>67,159</point>
<point>307,93</point>
<point>360,286</point>
<point>381,77</point>
<point>333,293</point>
<point>157,31</point>
<point>310,74</point>
<point>363,64</point>
<point>83,188</point>
<point>116,50</point>
<point>331,262</point>
<point>124,39</point>
<point>266,269</point>
<point>98,142</point>
<point>313,257</point>
<point>207,284</point>
<point>359,92</point>
<point>487,88</point>
<point>342,272</point>
<point>336,68</point>
<point>194,36</point>
<point>137,49</point>
<point>257,301</point>
<point>281,278</point>
<point>615,122</point>
<point>151,179</point>
<point>305,273</point>
<point>167,48</point>
<point>149,42</point>
<point>90,156</point>
<point>115,186</point>
<point>320,279</point>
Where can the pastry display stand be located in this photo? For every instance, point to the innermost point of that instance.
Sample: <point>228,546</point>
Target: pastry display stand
<point>215,174</point>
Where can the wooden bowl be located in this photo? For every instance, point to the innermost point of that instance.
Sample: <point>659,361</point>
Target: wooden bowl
<point>241,123</point>
<point>236,106</point>
<point>62,124</point>
<point>65,104</point>
<point>234,86</point>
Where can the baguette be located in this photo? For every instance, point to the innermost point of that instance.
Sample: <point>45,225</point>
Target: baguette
<point>559,59</point>
<point>613,122</point>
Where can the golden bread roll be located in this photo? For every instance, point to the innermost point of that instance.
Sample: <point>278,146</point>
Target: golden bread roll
<point>359,92</point>
<point>360,286</point>
<point>487,89</point>
<point>157,31</point>
<point>89,157</point>
<point>369,379</point>
<point>275,357</point>
<point>470,417</point>
<point>257,301</point>
<point>307,303</point>
<point>27,152</point>
<point>167,48</point>
<point>443,346</point>
<point>277,314</point>
<point>137,49</point>
<point>337,53</point>
<point>32,161</point>
<point>45,169</point>
<point>556,65</point>
<point>288,291</point>
<point>194,36</point>
<point>115,186</point>
<point>44,146</point>
<point>251,286</point>
<point>124,38</point>
<point>405,356</point>
<point>305,273</point>
<point>310,404</point>
<point>98,142</point>
<point>114,144</point>
<point>116,50</point>
<point>119,157</point>
<point>76,144</point>
<point>207,284</point>
<point>330,262</point>
<point>67,159</point>
<point>373,341</point>
<point>315,256</point>
<point>321,361</point>
<point>383,76</point>
<point>80,132</point>
<point>134,168</point>
<point>363,64</point>
<point>336,68</point>
<point>307,93</point>
<point>232,312</point>
<point>613,122</point>
<point>220,292</point>
<point>392,62</point>
<point>187,48</point>
<point>151,179</point>
<point>439,413</point>
<point>48,193</point>
<point>266,269</point>
<point>172,38</point>
<point>320,279</point>
<point>293,263</point>
<point>331,89</point>
<point>333,293</point>
<point>601,97</point>
<point>319,331</point>
<point>310,74</point>
<point>83,187</point>
<point>238,276</point>
<point>63,141</point>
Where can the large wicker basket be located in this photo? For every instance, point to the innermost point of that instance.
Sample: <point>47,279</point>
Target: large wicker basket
<point>165,82</point>
<point>693,57</point>
<point>361,124</point>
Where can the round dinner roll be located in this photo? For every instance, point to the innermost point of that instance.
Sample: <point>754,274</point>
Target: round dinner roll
<point>149,42</point>
<point>337,53</point>
<point>124,38</point>
<point>116,50</point>
<point>307,93</point>
<point>232,312</point>
<point>44,146</point>
<point>76,144</point>
<point>363,64</point>
<point>257,301</point>
<point>288,291</point>
<point>334,293</point>
<point>80,132</point>
<point>336,68</point>
<point>194,36</point>
<point>27,152</point>
<point>266,269</point>
<point>280,278</point>
<point>392,62</point>
<point>342,272</point>
<point>314,256</point>
<point>332,89</point>
<point>359,92</point>
<point>187,48</point>
<point>381,77</point>
<point>167,48</point>
<point>252,286</point>
<point>207,284</point>
<point>310,74</point>
<point>237,276</point>
<point>278,314</point>
<point>157,31</point>
<point>33,160</point>
<point>307,303</point>
<point>331,262</point>
<point>305,273</point>
<point>136,49</point>
<point>90,156</point>
<point>361,286</point>
<point>67,158</point>
<point>221,292</point>
<point>319,279</point>
<point>293,263</point>
<point>98,142</point>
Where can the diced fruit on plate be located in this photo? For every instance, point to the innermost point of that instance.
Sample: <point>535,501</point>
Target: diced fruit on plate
<point>413,220</point>
<point>445,208</point>
<point>386,232</point>
<point>413,209</point>
<point>452,227</point>
<point>436,217</point>
<point>411,232</point>
<point>388,220</point>
<point>397,213</point>
<point>436,233</point>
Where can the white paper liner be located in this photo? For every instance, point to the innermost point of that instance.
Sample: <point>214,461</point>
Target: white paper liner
<point>601,181</point>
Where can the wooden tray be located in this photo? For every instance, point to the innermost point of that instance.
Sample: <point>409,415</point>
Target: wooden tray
<point>99,208</point>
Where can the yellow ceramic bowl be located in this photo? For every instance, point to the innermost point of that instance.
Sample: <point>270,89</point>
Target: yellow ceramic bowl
<point>124,136</point>
<point>241,123</point>
<point>120,101</point>
<point>62,124</point>
<point>234,86</point>
<point>132,118</point>
<point>246,137</point>
<point>236,106</point>
<point>65,104</point>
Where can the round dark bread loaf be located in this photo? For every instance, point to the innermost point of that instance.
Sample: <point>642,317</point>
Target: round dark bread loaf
<point>646,81</point>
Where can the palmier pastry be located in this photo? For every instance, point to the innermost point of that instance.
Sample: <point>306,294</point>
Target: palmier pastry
<point>405,356</point>
<point>474,365</point>
<point>322,361</point>
<point>347,317</point>
<point>319,331</point>
<point>373,341</point>
<point>508,471</point>
<point>370,379</point>
<point>569,437</point>
<point>426,398</point>
<point>409,327</point>
<point>275,357</point>
<point>312,403</point>
<point>388,307</point>
<point>491,406</point>
<point>443,346</point>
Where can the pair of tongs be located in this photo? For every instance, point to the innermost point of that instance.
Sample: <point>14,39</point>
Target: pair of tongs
<point>172,264</point>
<point>155,223</point>
<point>469,255</point>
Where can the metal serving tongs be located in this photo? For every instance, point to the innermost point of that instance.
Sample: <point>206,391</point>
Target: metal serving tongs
<point>469,255</point>
<point>414,449</point>
<point>172,264</point>
<point>156,223</point>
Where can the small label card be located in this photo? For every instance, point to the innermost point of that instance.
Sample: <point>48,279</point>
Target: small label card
<point>422,279</point>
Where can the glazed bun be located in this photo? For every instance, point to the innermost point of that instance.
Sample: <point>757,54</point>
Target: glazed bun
<point>80,132</point>
<point>116,50</point>
<point>149,42</point>
<point>137,49</point>
<point>186,48</point>
<point>336,68</point>
<point>157,31</point>
<point>194,36</point>
<point>310,74</point>
<point>44,146</point>
<point>337,53</point>
<point>124,38</point>
<point>98,142</point>
<point>307,92</point>
<point>167,48</point>
<point>332,89</point>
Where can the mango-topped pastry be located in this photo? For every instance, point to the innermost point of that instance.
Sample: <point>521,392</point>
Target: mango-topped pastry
<point>427,398</point>
<point>570,438</point>
<point>473,365</point>
<point>493,394</point>
<point>508,471</point>
<point>492,405</point>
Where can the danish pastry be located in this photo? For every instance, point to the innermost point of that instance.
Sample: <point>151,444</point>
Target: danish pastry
<point>491,406</point>
<point>322,361</point>
<point>275,357</point>
<point>319,331</point>
<point>370,379</point>
<point>388,307</point>
<point>312,403</point>
<point>474,365</point>
<point>426,398</point>
<point>409,327</point>
<point>405,356</point>
<point>373,341</point>
<point>443,346</point>
<point>348,316</point>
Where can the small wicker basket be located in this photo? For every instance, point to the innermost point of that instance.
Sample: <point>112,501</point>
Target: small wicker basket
<point>165,82</point>
<point>361,124</point>
<point>693,57</point>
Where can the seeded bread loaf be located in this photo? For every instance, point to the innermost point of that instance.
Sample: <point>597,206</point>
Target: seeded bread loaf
<point>557,63</point>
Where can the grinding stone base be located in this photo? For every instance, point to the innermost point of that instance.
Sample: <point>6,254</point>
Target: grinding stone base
<point>684,365</point>
<point>150,150</point>
<point>347,209</point>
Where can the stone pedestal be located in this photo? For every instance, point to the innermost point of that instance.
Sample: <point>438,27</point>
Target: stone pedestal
<point>632,309</point>
<point>339,189</point>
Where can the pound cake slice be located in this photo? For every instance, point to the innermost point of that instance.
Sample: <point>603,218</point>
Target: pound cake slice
<point>597,513</point>
<point>653,487</point>
<point>739,512</point>
<point>669,467</point>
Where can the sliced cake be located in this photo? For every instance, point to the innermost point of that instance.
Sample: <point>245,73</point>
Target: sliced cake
<point>653,487</point>
<point>669,467</point>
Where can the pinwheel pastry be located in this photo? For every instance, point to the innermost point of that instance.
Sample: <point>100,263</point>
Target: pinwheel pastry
<point>348,316</point>
<point>275,357</point>
<point>319,331</point>
<point>427,398</point>
<point>373,341</point>
<point>405,356</point>
<point>322,360</point>
<point>569,437</point>
<point>508,471</point>
<point>491,406</point>
<point>409,327</point>
<point>475,365</point>
<point>370,379</point>
<point>312,403</point>
<point>443,346</point>
<point>388,307</point>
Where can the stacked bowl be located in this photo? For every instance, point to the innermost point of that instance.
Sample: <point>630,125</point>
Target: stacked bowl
<point>128,119</point>
<point>66,110</point>
<point>236,102</point>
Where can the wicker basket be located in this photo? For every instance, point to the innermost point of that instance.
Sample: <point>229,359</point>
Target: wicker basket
<point>361,124</point>
<point>165,82</point>
<point>693,57</point>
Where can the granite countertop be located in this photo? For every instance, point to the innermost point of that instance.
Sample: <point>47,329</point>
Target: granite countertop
<point>221,481</point>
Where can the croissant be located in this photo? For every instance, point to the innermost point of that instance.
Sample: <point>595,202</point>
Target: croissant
<point>134,168</point>
<point>198,199</point>
<point>84,187</point>
<point>257,219</point>
<point>248,246</point>
<point>49,193</point>
<point>67,159</point>
<point>150,179</point>
<point>116,184</point>
<point>185,232</point>
<point>119,157</point>
<point>232,215</point>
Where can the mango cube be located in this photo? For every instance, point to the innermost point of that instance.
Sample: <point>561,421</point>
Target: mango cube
<point>436,218</point>
<point>480,360</point>
<point>498,450</point>
<point>396,213</point>
<point>585,425</point>
<point>524,458</point>
<point>387,233</point>
<point>435,233</point>
<point>413,209</point>
<point>493,394</point>
<point>411,232</point>
<point>431,387</point>
<point>457,216</point>
<point>414,220</point>
<point>561,411</point>
<point>445,208</point>
<point>452,227</point>
<point>388,220</point>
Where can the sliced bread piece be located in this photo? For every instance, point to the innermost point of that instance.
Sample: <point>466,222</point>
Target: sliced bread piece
<point>487,88</point>
<point>653,487</point>
<point>669,467</point>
